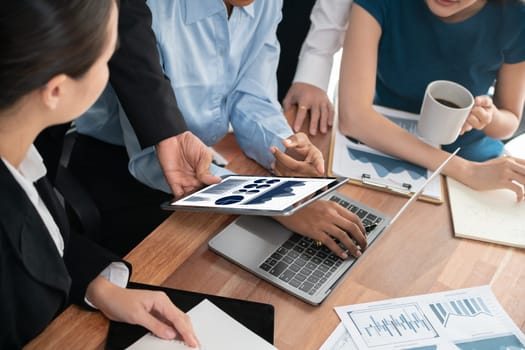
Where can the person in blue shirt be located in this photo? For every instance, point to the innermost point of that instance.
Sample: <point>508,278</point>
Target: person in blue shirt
<point>221,58</point>
<point>394,48</point>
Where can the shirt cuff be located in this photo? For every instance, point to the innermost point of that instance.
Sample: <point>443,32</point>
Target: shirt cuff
<point>314,70</point>
<point>117,273</point>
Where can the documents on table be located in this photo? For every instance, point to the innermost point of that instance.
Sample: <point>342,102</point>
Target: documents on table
<point>464,319</point>
<point>366,166</point>
<point>214,328</point>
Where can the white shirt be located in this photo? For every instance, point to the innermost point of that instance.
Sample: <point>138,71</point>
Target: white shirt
<point>30,170</point>
<point>326,36</point>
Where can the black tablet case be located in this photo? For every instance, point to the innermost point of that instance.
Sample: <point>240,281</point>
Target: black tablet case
<point>257,317</point>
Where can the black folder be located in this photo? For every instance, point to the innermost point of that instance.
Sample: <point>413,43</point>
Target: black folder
<point>257,317</point>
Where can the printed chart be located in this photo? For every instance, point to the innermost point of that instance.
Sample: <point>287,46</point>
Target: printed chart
<point>472,307</point>
<point>388,325</point>
<point>464,319</point>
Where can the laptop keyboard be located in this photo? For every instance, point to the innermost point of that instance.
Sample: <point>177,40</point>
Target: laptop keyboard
<point>305,266</point>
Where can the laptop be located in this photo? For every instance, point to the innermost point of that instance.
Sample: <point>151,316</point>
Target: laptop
<point>294,262</point>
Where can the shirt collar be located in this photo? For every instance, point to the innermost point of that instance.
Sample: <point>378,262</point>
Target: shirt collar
<point>200,9</point>
<point>249,10</point>
<point>32,166</point>
<point>29,171</point>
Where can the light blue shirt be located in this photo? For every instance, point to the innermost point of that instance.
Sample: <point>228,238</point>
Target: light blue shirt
<point>222,70</point>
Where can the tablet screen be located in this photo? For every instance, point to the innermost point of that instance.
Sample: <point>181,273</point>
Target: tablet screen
<point>257,195</point>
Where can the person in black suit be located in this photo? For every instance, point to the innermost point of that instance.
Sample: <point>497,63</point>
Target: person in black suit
<point>128,209</point>
<point>53,66</point>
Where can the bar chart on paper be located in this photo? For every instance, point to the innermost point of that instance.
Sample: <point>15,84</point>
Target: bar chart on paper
<point>386,325</point>
<point>448,311</point>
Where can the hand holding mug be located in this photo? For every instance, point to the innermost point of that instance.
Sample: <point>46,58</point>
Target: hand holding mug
<point>480,115</point>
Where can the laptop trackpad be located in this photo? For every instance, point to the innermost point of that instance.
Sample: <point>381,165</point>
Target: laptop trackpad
<point>250,239</point>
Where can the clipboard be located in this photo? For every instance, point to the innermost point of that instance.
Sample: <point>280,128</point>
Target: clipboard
<point>258,317</point>
<point>367,167</point>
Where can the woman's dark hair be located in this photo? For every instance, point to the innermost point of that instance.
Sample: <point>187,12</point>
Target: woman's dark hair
<point>43,38</point>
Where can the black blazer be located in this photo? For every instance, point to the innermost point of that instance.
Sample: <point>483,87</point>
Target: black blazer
<point>35,282</point>
<point>144,91</point>
<point>291,34</point>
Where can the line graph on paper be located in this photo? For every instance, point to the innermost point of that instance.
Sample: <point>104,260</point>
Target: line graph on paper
<point>390,324</point>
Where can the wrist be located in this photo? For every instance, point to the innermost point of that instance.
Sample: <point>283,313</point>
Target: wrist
<point>460,169</point>
<point>99,290</point>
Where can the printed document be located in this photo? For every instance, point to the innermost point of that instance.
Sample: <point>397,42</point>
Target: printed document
<point>463,319</point>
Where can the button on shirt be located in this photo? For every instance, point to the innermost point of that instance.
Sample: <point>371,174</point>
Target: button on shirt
<point>222,70</point>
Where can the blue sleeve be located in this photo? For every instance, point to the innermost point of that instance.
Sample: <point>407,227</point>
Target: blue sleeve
<point>514,51</point>
<point>377,8</point>
<point>255,114</point>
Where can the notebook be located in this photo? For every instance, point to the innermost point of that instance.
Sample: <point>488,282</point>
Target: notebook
<point>291,261</point>
<point>491,216</point>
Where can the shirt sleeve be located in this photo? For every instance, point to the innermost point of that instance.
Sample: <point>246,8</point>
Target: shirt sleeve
<point>514,51</point>
<point>255,115</point>
<point>329,20</point>
<point>377,8</point>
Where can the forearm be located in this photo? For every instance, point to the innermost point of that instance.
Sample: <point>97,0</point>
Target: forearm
<point>256,133</point>
<point>99,292</point>
<point>504,124</point>
<point>379,133</point>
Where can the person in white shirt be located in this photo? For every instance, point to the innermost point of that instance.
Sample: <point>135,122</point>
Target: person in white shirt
<point>327,31</point>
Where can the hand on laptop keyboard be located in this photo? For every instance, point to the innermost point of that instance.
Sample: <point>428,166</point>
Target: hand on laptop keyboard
<point>330,223</point>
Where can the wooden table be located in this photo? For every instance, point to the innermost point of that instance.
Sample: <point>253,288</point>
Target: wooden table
<point>417,255</point>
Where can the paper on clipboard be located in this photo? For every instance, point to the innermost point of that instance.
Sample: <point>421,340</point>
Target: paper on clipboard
<point>366,166</point>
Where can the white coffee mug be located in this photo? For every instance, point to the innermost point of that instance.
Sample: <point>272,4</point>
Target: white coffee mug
<point>445,108</point>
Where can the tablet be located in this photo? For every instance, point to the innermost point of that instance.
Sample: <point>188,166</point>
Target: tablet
<point>257,195</point>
